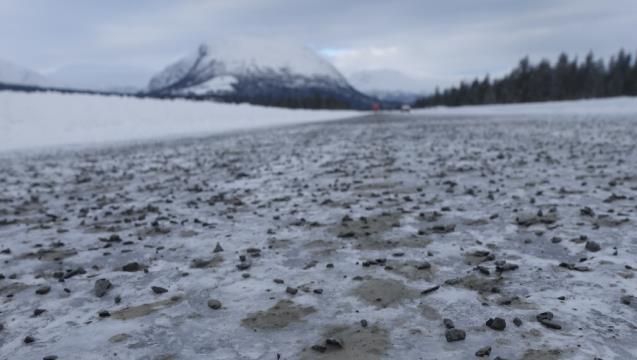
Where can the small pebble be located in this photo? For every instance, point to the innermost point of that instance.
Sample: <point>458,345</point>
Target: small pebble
<point>454,335</point>
<point>214,304</point>
<point>131,267</point>
<point>485,351</point>
<point>159,289</point>
<point>448,323</point>
<point>43,290</point>
<point>291,290</point>
<point>497,324</point>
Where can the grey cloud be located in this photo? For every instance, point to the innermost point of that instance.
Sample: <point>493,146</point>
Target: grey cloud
<point>450,39</point>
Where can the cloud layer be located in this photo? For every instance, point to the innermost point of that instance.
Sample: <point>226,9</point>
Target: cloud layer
<point>447,40</point>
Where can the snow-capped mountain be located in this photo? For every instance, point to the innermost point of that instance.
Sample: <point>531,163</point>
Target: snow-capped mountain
<point>11,74</point>
<point>271,73</point>
<point>390,85</point>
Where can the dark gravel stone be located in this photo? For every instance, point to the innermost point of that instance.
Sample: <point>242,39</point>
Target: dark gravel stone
<point>38,312</point>
<point>556,239</point>
<point>78,271</point>
<point>104,313</point>
<point>517,322</point>
<point>455,335</point>
<point>544,316</point>
<point>502,266</point>
<point>29,339</point>
<point>214,304</point>
<point>546,319</point>
<point>319,348</point>
<point>430,290</point>
<point>279,281</point>
<point>102,286</point>
<point>291,290</point>
<point>497,324</point>
<point>448,323</point>
<point>423,266</point>
<point>50,357</point>
<point>43,290</point>
<point>593,246</point>
<point>159,289</point>
<point>485,351</point>
<point>244,265</point>
<point>218,248</point>
<point>363,323</point>
<point>483,270</point>
<point>131,267</point>
<point>334,342</point>
<point>627,299</point>
<point>587,211</point>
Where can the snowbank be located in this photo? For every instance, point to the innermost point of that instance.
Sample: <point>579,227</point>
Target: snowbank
<point>49,119</point>
<point>618,105</point>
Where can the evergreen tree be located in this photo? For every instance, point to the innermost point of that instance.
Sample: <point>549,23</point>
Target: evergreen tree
<point>565,80</point>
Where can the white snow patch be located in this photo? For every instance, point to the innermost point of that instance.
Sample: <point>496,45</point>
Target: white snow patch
<point>30,120</point>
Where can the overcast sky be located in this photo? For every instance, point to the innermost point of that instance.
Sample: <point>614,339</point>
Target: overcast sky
<point>441,40</point>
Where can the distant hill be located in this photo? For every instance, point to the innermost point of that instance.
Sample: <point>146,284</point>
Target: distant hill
<point>12,74</point>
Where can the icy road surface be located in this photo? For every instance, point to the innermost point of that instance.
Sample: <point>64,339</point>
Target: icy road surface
<point>339,240</point>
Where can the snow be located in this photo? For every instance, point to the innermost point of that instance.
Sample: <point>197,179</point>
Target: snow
<point>217,85</point>
<point>47,119</point>
<point>244,56</point>
<point>617,105</point>
<point>17,75</point>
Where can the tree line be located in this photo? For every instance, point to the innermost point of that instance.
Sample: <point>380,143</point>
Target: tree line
<point>566,79</point>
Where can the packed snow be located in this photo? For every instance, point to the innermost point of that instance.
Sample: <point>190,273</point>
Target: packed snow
<point>30,120</point>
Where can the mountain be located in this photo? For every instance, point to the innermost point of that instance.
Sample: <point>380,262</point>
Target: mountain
<point>11,74</point>
<point>258,72</point>
<point>390,85</point>
<point>402,97</point>
<point>101,77</point>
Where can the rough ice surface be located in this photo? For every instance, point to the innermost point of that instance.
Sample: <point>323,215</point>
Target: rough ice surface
<point>397,204</point>
<point>30,120</point>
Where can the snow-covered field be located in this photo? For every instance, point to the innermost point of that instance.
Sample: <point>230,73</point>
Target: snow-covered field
<point>30,120</point>
<point>336,240</point>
